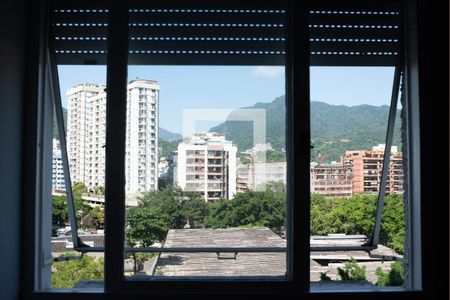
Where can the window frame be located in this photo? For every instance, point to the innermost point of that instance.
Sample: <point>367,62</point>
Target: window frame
<point>114,184</point>
<point>297,71</point>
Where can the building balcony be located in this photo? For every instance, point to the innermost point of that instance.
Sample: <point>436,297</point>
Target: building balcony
<point>195,172</point>
<point>216,165</point>
<point>197,180</point>
<point>193,164</point>
<point>201,156</point>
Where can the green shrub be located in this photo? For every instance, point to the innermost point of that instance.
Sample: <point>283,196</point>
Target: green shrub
<point>352,271</point>
<point>159,272</point>
<point>324,276</point>
<point>395,276</point>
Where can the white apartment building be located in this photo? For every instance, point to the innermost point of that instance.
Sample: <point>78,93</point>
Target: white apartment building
<point>206,163</point>
<point>58,183</point>
<point>141,166</point>
<point>78,118</point>
<point>86,135</point>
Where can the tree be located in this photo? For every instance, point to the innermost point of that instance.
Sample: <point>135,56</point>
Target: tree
<point>271,156</point>
<point>251,208</point>
<point>145,226</point>
<point>68,273</point>
<point>59,210</point>
<point>94,219</point>
<point>100,190</point>
<point>168,147</point>
<point>195,211</point>
<point>60,214</point>
<point>244,158</point>
<point>78,188</point>
<point>356,215</point>
<point>169,202</point>
<point>97,190</point>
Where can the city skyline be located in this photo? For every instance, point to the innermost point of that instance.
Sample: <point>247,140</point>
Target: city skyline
<point>236,87</point>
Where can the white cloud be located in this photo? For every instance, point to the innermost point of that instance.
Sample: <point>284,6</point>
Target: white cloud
<point>268,72</point>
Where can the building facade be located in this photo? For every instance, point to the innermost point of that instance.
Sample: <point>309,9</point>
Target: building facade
<point>333,180</point>
<point>86,135</point>
<point>206,163</point>
<point>367,167</point>
<point>256,175</point>
<point>78,119</point>
<point>141,163</point>
<point>58,183</point>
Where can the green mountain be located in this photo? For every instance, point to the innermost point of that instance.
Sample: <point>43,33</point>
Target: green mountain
<point>168,136</point>
<point>241,132</point>
<point>167,147</point>
<point>334,128</point>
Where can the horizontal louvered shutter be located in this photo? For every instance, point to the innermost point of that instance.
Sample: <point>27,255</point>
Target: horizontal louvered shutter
<point>237,32</point>
<point>174,32</point>
<point>355,32</point>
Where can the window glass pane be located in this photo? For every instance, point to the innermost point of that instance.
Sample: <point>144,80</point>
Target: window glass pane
<point>205,140</point>
<point>349,121</point>
<point>206,171</point>
<point>83,97</point>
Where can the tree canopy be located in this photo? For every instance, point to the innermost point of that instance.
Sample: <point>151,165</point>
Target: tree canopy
<point>95,218</point>
<point>356,215</point>
<point>176,206</point>
<point>145,226</point>
<point>251,208</point>
<point>68,273</point>
<point>60,214</point>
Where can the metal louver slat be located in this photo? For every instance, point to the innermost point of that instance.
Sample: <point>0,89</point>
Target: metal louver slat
<point>354,46</point>
<point>175,32</point>
<point>342,33</point>
<point>355,33</point>
<point>335,34</point>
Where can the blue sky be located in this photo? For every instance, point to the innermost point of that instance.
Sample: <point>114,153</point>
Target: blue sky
<point>233,87</point>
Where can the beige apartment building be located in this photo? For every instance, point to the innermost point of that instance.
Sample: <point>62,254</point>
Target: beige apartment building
<point>333,180</point>
<point>206,163</point>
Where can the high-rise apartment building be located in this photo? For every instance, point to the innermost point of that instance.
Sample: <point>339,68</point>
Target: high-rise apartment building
<point>367,167</point>
<point>86,134</point>
<point>206,163</point>
<point>79,114</point>
<point>58,183</point>
<point>141,165</point>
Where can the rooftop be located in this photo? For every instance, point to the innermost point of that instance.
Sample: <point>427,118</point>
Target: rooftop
<point>213,264</point>
<point>224,264</point>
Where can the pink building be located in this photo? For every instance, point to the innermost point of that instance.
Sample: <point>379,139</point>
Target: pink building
<point>367,166</point>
